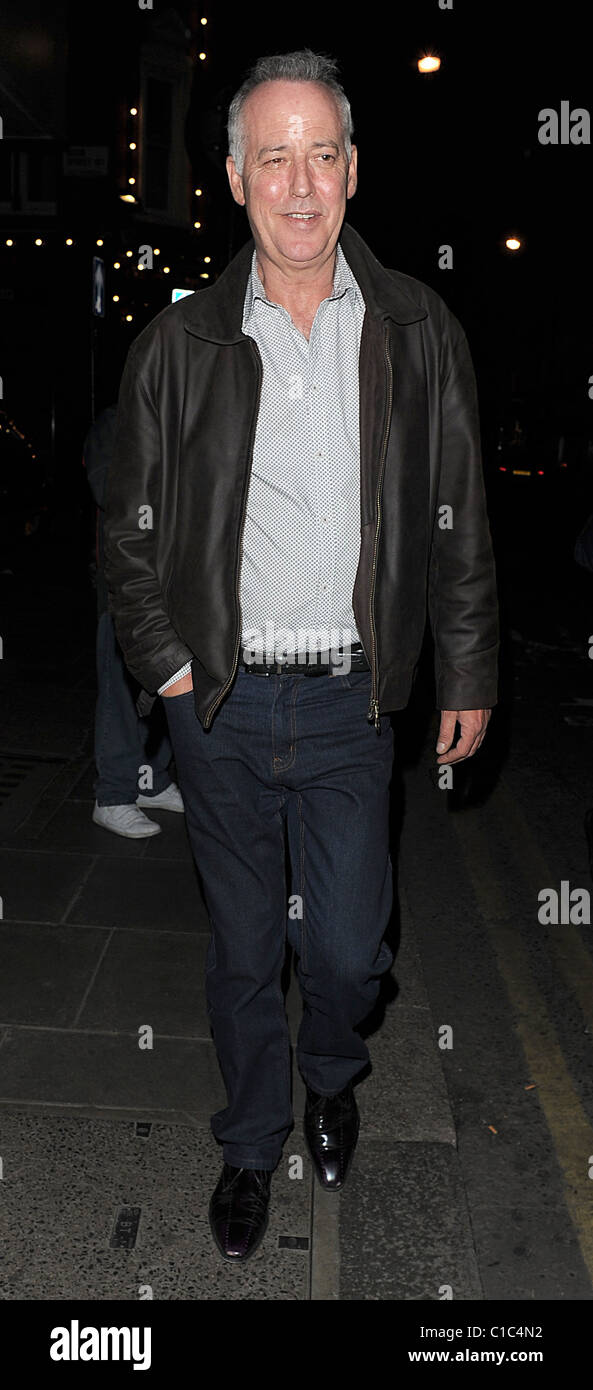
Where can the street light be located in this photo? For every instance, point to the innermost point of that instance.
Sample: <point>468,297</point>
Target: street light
<point>429,63</point>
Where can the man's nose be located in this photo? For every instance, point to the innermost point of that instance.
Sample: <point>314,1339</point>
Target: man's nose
<point>301,182</point>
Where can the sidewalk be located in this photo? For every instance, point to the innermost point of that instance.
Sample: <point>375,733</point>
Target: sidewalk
<point>108,1158</point>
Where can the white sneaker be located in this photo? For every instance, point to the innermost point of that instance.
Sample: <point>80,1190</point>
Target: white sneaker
<point>125,820</point>
<point>168,800</point>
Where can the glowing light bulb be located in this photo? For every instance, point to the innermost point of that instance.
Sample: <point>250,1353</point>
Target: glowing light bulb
<point>429,63</point>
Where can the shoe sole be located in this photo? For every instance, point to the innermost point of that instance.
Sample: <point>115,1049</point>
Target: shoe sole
<point>125,834</point>
<point>158,806</point>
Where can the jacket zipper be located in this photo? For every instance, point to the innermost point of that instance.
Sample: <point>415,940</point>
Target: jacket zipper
<point>373,712</point>
<point>213,708</point>
<point>374,705</point>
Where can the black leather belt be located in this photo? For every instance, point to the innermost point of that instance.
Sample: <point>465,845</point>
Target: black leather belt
<point>345,660</point>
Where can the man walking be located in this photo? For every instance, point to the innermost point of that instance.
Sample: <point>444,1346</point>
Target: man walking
<point>303,438</point>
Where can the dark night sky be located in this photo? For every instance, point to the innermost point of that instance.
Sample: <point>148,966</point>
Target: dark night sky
<point>455,158</point>
<point>452,158</point>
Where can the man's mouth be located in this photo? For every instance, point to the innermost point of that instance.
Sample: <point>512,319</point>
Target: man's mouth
<point>301,216</point>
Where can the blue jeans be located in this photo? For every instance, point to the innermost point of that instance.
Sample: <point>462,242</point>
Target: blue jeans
<point>295,752</point>
<point>125,743</point>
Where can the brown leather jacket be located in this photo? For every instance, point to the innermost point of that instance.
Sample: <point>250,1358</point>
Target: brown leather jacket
<point>177,488</point>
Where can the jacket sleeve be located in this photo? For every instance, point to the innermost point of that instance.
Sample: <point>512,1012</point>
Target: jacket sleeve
<point>462,594</point>
<point>152,648</point>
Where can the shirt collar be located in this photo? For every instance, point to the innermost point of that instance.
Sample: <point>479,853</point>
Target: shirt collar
<point>343,282</point>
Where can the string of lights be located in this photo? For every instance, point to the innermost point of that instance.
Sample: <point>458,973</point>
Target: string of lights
<point>177,260</point>
<point>123,263</point>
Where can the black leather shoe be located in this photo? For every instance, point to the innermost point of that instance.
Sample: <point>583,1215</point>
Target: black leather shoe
<point>331,1125</point>
<point>239,1210</point>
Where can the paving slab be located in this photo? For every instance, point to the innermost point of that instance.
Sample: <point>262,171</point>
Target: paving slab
<point>40,886</point>
<point>99,1071</point>
<point>137,895</point>
<point>71,829</point>
<point>66,1180</point>
<point>530,1233</point>
<point>405,1096</point>
<point>45,971</point>
<point>405,1231</point>
<point>173,841</point>
<point>154,977</point>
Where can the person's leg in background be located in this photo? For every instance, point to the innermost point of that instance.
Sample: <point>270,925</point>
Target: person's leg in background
<point>125,743</point>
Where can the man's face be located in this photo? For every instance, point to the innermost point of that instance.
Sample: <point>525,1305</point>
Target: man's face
<point>296,177</point>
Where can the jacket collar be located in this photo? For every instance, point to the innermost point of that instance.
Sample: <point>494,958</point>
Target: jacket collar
<point>217,312</point>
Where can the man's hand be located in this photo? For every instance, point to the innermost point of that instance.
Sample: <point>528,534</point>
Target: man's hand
<point>179,688</point>
<point>474,723</point>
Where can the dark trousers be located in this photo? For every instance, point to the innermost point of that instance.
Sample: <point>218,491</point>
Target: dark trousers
<point>125,743</point>
<point>295,751</point>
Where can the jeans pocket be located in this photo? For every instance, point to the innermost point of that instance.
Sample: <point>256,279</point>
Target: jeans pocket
<point>357,680</point>
<point>169,700</point>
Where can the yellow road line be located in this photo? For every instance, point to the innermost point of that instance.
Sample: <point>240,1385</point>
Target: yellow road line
<point>572,956</point>
<point>571,1132</point>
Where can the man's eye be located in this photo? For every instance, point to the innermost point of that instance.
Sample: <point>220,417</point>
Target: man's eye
<point>276,160</point>
<point>327,156</point>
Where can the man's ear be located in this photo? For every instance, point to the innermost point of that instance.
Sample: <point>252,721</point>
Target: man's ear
<point>235,181</point>
<point>352,173</point>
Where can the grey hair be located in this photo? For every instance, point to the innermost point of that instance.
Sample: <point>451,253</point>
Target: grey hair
<point>301,66</point>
